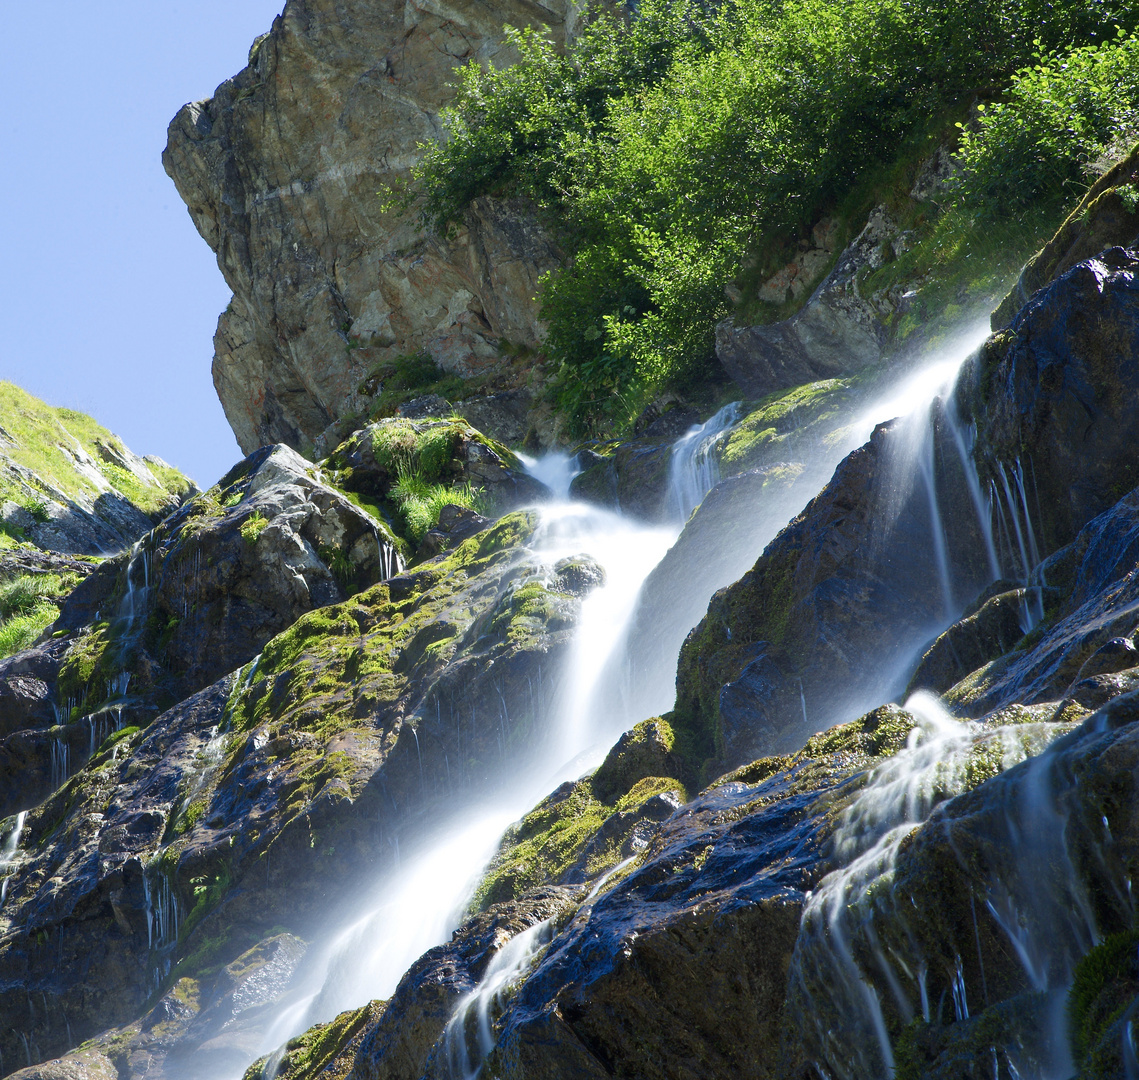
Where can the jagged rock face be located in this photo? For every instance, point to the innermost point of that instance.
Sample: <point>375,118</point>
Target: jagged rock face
<point>342,731</point>
<point>197,598</point>
<point>280,171</point>
<point>837,331</point>
<point>1057,395</point>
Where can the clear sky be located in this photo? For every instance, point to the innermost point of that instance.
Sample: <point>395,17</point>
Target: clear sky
<point>111,297</point>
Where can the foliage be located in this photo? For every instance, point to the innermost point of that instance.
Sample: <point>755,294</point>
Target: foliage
<point>419,501</point>
<point>28,607</point>
<point>667,148</point>
<point>1060,114</point>
<point>253,526</point>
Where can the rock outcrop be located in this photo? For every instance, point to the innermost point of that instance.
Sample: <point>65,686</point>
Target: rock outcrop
<point>837,332</point>
<point>280,171</point>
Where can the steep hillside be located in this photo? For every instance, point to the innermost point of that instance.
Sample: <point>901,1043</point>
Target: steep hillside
<point>67,484</point>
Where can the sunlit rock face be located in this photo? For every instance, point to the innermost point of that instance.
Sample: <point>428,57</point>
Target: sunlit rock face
<point>281,170</point>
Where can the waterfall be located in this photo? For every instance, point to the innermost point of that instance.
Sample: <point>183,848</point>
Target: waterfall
<point>693,469</point>
<point>421,900</point>
<point>60,763</point>
<point>8,852</point>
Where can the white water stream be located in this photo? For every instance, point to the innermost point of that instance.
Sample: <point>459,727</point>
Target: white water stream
<point>416,906</point>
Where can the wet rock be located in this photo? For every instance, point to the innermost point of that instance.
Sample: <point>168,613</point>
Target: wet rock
<point>27,682</point>
<point>456,524</point>
<point>788,647</point>
<point>1119,654</point>
<point>719,894</point>
<point>1101,587</point>
<point>644,751</point>
<point>208,587</point>
<point>280,171</point>
<point>1056,394</point>
<point>968,898</point>
<point>206,1026</point>
<point>978,638</point>
<point>397,1046</point>
<point>578,575</point>
<point>633,478</point>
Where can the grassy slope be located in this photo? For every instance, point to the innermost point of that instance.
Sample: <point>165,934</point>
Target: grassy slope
<point>43,439</point>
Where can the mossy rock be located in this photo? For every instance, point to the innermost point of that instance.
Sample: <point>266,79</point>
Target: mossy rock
<point>644,751</point>
<point>1102,1001</point>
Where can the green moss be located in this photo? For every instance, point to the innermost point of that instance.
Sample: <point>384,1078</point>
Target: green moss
<point>645,789</point>
<point>92,660</point>
<point>313,1053</point>
<point>1106,983</point>
<point>543,845</point>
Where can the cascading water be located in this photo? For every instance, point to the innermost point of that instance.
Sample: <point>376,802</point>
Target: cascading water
<point>8,852</point>
<point>422,899</point>
<point>418,904</point>
<point>850,1036</point>
<point>471,1027</point>
<point>693,469</point>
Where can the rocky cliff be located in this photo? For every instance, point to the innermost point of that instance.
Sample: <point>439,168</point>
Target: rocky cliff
<point>284,170</point>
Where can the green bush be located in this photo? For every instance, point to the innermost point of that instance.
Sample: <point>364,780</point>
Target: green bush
<point>666,149</point>
<point>1059,116</point>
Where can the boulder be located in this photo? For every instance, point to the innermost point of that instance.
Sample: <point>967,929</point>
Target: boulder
<point>824,624</point>
<point>445,451</point>
<point>835,333</point>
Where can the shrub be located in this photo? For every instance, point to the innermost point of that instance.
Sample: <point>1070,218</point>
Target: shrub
<point>1059,115</point>
<point>665,149</point>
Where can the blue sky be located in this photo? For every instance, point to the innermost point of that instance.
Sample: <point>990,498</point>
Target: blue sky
<point>111,296</point>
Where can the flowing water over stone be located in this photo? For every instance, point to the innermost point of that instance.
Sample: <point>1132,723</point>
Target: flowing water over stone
<point>414,907</point>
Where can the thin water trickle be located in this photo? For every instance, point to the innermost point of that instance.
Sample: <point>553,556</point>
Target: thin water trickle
<point>693,468</point>
<point>849,1032</point>
<point>8,852</point>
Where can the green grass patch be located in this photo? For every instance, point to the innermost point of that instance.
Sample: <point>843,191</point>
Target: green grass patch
<point>419,502</point>
<point>28,606</point>
<point>253,526</point>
